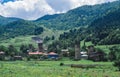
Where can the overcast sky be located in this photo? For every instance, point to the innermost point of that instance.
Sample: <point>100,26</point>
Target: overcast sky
<point>33,9</point>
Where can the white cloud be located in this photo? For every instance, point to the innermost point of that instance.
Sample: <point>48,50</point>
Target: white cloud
<point>65,5</point>
<point>33,9</point>
<point>26,9</point>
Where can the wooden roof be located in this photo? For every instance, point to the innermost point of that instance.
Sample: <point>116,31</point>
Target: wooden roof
<point>35,53</point>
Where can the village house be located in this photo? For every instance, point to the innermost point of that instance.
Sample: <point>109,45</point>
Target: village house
<point>17,57</point>
<point>43,55</point>
<point>84,55</point>
<point>95,55</point>
<point>53,55</point>
<point>64,53</point>
<point>2,55</point>
<point>35,55</point>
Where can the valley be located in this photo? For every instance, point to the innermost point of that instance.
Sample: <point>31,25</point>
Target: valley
<point>65,44</point>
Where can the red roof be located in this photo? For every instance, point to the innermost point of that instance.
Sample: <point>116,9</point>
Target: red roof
<point>35,53</point>
<point>53,53</point>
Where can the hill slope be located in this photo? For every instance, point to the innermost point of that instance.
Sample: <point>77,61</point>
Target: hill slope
<point>82,16</point>
<point>102,31</point>
<point>107,29</point>
<point>5,20</point>
<point>11,28</point>
<point>92,16</point>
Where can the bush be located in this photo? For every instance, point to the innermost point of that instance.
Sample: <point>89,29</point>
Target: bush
<point>117,64</point>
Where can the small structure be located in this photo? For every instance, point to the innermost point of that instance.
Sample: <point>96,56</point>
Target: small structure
<point>64,52</point>
<point>53,55</point>
<point>39,41</point>
<point>91,49</point>
<point>2,55</point>
<point>95,55</point>
<point>77,50</point>
<point>43,55</point>
<point>84,55</point>
<point>17,58</point>
<point>35,53</point>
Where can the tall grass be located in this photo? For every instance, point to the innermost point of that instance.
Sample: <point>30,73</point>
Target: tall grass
<point>52,69</point>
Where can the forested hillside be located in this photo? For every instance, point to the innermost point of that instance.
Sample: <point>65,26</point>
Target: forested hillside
<point>98,24</point>
<point>5,20</point>
<point>82,16</point>
<point>13,28</point>
<point>104,30</point>
<point>48,17</point>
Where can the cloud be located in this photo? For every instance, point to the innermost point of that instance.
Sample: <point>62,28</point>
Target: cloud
<point>65,5</point>
<point>26,9</point>
<point>33,9</point>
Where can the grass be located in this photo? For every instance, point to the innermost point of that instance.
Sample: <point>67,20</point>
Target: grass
<point>106,47</point>
<point>52,69</point>
<point>103,47</point>
<point>17,41</point>
<point>86,43</point>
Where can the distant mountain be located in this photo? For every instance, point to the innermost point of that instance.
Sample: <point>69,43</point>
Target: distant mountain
<point>82,16</point>
<point>48,17</point>
<point>6,20</point>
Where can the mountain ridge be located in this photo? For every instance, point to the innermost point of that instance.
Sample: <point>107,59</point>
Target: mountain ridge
<point>103,31</point>
<point>81,16</point>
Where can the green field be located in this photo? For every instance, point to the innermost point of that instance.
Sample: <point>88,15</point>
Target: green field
<point>27,39</point>
<point>53,69</point>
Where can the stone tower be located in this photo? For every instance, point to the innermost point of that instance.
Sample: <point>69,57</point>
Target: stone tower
<point>40,47</point>
<point>77,50</point>
<point>39,41</point>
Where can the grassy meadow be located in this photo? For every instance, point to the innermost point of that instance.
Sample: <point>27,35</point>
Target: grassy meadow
<point>18,41</point>
<point>53,69</point>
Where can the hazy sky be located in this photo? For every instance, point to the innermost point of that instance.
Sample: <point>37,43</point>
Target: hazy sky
<point>33,9</point>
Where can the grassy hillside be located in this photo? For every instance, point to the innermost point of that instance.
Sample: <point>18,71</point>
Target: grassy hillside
<point>18,41</point>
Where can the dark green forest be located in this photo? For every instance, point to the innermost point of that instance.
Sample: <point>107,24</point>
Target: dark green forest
<point>82,16</point>
<point>107,29</point>
<point>102,31</point>
<point>16,28</point>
